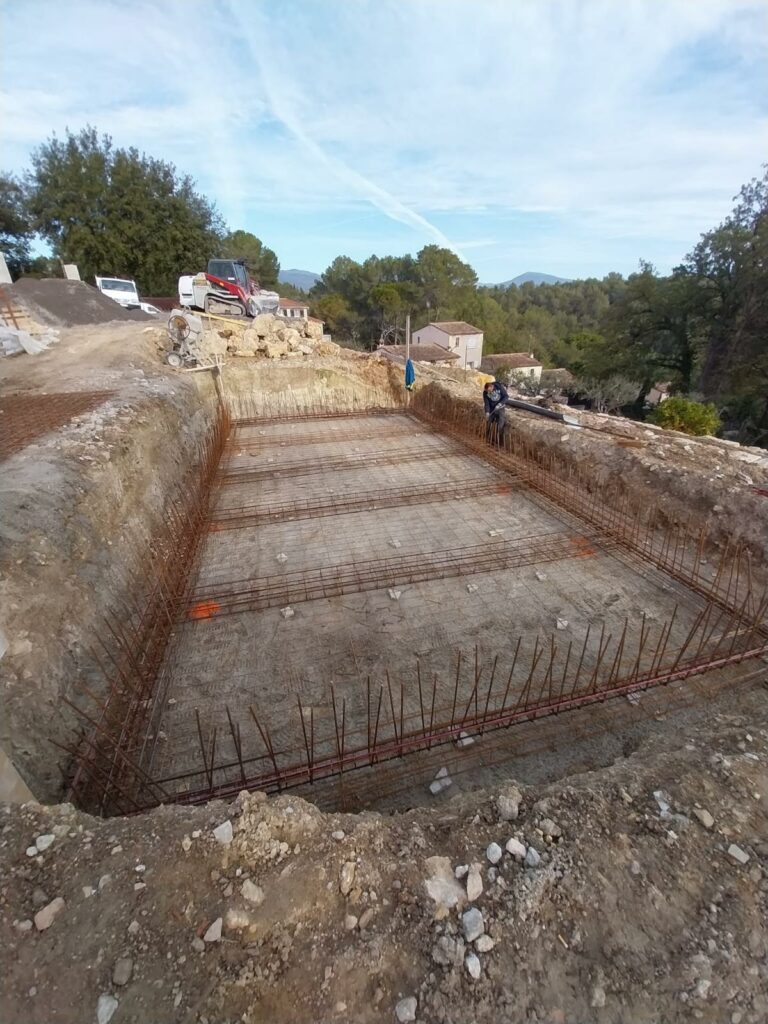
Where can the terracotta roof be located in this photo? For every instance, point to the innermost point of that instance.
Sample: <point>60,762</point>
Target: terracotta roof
<point>292,304</point>
<point>315,320</point>
<point>515,360</point>
<point>419,353</point>
<point>454,327</point>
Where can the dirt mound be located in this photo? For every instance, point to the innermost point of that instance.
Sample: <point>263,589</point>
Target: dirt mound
<point>68,303</point>
<point>636,893</point>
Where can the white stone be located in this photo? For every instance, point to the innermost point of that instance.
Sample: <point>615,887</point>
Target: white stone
<point>540,576</point>
<point>516,848</point>
<point>252,892</point>
<point>704,817</point>
<point>472,963</point>
<point>508,804</point>
<point>186,844</point>
<point>395,594</point>
<point>562,623</point>
<point>133,928</point>
<point>105,1008</point>
<point>474,883</point>
<point>338,835</point>
<point>465,740</point>
<point>347,877</point>
<point>439,785</point>
<point>471,588</point>
<point>461,870</point>
<point>44,918</point>
<point>350,922</point>
<point>282,557</point>
<point>43,842</point>
<point>472,924</point>
<point>493,853</point>
<point>224,833</point>
<point>395,543</point>
<point>484,944</point>
<point>532,858</point>
<point>598,997</point>
<point>405,1011</point>
<point>287,612</point>
<point>441,885</point>
<point>734,851</point>
<point>213,934</point>
<point>31,851</point>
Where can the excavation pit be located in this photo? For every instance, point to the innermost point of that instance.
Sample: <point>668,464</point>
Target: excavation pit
<point>365,600</point>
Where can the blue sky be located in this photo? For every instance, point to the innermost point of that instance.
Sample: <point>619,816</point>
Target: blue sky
<point>567,136</point>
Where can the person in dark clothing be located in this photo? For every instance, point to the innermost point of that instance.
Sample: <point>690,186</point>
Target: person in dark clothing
<point>495,399</point>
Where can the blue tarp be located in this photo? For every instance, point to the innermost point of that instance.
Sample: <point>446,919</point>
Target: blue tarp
<point>410,375</point>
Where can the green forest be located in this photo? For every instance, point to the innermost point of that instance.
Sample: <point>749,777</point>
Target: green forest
<point>703,328</point>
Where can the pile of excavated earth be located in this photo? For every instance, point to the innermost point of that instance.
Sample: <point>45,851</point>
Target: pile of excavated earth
<point>632,889</point>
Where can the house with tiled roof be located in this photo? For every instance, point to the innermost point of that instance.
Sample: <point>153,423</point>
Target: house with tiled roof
<point>522,364</point>
<point>458,337</point>
<point>293,310</point>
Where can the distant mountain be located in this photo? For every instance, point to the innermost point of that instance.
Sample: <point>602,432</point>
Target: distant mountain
<point>303,279</point>
<point>534,278</point>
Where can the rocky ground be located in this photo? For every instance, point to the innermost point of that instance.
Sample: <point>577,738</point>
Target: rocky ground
<point>636,893</point>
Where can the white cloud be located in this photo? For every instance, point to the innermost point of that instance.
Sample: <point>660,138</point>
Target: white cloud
<point>456,118</point>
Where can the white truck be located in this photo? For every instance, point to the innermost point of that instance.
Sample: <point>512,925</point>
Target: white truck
<point>125,293</point>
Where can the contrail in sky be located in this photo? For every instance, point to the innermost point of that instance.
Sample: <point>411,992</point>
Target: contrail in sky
<point>377,196</point>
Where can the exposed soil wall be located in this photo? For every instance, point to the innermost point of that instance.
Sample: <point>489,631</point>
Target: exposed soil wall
<point>76,521</point>
<point>697,480</point>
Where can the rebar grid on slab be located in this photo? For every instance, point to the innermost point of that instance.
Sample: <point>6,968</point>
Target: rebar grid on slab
<point>532,680</point>
<point>26,417</point>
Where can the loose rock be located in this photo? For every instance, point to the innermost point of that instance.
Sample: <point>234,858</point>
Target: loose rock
<point>472,963</point>
<point>223,833</point>
<point>252,892</point>
<point>474,883</point>
<point>105,1008</point>
<point>484,944</point>
<point>405,1011</point>
<point>508,804</point>
<point>516,848</point>
<point>347,877</point>
<point>532,858</point>
<point>704,817</point>
<point>213,933</point>
<point>122,971</point>
<point>472,924</point>
<point>493,853</point>
<point>734,851</point>
<point>44,918</point>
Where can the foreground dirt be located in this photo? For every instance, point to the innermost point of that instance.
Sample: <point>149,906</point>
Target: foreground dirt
<point>648,903</point>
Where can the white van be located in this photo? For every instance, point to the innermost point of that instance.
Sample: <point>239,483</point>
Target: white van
<point>125,293</point>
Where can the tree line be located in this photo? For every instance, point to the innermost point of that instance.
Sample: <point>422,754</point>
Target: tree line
<point>703,328</point>
<point>119,212</point>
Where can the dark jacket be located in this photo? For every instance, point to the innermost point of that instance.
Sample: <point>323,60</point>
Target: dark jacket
<point>495,396</point>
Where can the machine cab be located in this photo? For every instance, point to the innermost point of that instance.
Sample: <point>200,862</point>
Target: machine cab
<point>231,271</point>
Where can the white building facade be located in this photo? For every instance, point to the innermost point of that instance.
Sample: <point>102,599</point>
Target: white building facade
<point>458,337</point>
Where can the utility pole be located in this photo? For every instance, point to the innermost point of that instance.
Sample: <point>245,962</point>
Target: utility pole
<point>407,336</point>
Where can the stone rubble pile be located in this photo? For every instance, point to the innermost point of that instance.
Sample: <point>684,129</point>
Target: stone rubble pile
<point>265,337</point>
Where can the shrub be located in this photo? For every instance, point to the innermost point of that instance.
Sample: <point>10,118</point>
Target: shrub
<point>689,417</point>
